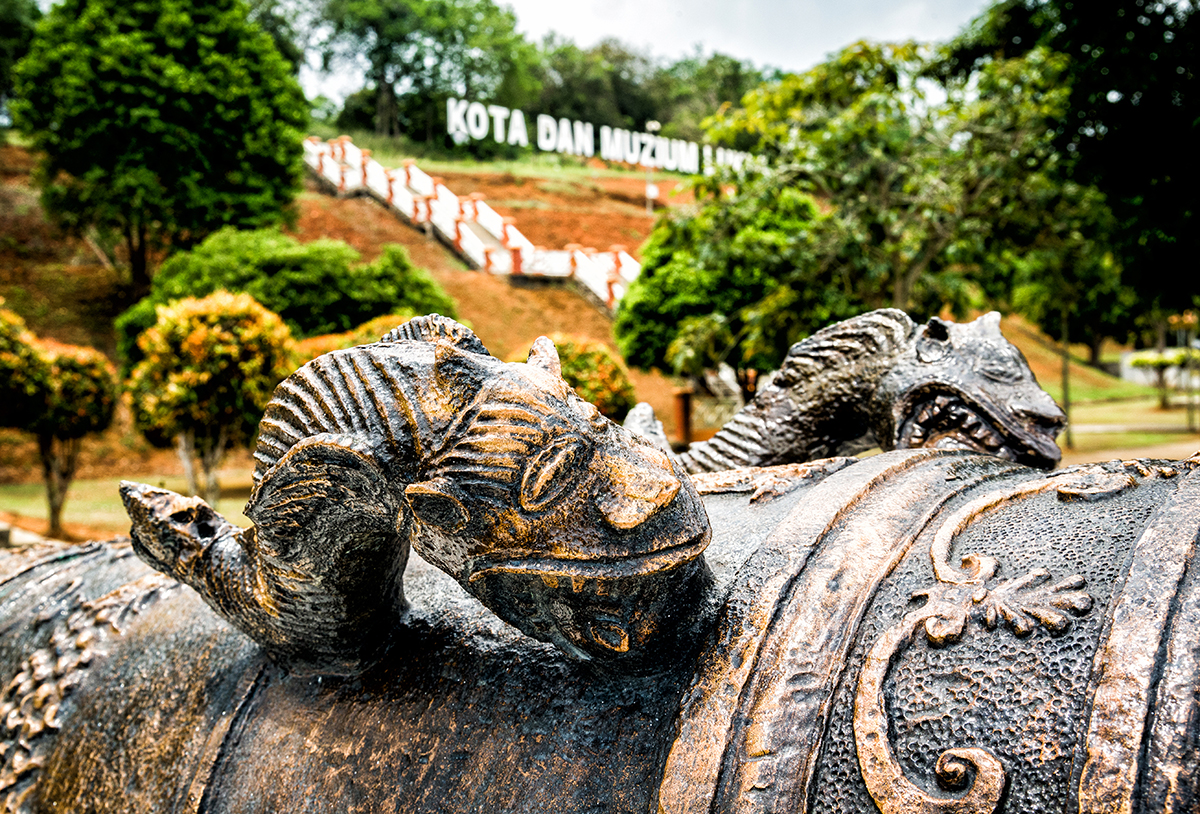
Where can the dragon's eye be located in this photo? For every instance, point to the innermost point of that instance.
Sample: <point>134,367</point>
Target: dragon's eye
<point>551,472</point>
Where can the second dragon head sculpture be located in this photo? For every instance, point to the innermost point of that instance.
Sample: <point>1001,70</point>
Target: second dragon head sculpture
<point>564,524</point>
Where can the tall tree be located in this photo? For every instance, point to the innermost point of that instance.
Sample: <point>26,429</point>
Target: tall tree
<point>160,121</point>
<point>1133,107</point>
<point>17,20</point>
<point>418,53</point>
<point>911,175</point>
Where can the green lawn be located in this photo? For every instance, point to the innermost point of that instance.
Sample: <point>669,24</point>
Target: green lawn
<point>96,504</point>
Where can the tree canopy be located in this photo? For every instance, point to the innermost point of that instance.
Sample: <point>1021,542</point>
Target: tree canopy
<point>17,20</point>
<point>880,189</point>
<point>58,392</point>
<point>160,121</point>
<point>1132,112</point>
<point>419,53</point>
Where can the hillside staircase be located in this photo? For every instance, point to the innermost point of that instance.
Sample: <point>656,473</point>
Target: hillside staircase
<point>475,231</point>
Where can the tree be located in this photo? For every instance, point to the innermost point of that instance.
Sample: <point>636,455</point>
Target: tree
<point>17,21</point>
<point>419,53</point>
<point>911,186</point>
<point>160,121</point>
<point>208,369</point>
<point>1132,72</point>
<point>699,86</point>
<point>706,271</point>
<point>80,398</point>
<point>22,372</point>
<point>316,288</point>
<point>60,393</point>
<point>911,180</point>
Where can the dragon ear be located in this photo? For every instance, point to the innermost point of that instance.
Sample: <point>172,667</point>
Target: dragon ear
<point>990,322</point>
<point>438,502</point>
<point>544,355</point>
<point>934,341</point>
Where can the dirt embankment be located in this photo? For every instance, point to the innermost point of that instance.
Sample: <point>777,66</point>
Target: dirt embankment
<point>67,293</point>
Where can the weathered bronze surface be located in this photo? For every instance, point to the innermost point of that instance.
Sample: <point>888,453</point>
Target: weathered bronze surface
<point>881,380</point>
<point>925,630</point>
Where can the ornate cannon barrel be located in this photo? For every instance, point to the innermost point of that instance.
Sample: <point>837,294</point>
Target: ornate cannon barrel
<point>925,630</point>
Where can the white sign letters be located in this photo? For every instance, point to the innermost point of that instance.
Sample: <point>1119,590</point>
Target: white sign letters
<point>474,120</point>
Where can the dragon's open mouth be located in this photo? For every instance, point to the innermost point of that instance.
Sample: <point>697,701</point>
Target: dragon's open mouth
<point>579,571</point>
<point>945,420</point>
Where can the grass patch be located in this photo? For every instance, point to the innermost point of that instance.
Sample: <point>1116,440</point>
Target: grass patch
<point>1096,441</point>
<point>1087,383</point>
<point>1141,412</point>
<point>96,504</point>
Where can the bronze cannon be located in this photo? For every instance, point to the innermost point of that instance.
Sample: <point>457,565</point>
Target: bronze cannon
<point>924,630</point>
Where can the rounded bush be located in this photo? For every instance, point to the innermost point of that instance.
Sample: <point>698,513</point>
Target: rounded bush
<point>209,367</point>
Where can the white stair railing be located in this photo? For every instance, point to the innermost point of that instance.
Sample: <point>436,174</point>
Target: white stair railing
<point>478,233</point>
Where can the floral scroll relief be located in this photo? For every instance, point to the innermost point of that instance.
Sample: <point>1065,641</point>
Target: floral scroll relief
<point>960,596</point>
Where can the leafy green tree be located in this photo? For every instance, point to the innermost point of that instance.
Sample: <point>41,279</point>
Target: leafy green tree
<point>706,273</point>
<point>208,369</point>
<point>316,288</point>
<point>58,392</point>
<point>912,186</point>
<point>912,180</point>
<point>22,372</point>
<point>160,121</point>
<point>699,86</point>
<point>17,21</point>
<point>419,53</point>
<point>80,396</point>
<point>1134,103</point>
<point>284,23</point>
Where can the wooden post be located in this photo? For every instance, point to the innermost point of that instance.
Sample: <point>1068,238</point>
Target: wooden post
<point>408,165</point>
<point>391,179</point>
<point>505,237</point>
<point>516,259</point>
<point>683,414</point>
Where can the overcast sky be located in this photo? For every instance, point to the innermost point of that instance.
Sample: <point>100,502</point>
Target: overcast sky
<point>789,34</point>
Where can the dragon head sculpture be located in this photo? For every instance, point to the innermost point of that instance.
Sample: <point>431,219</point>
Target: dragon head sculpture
<point>880,379</point>
<point>964,386</point>
<point>566,525</point>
